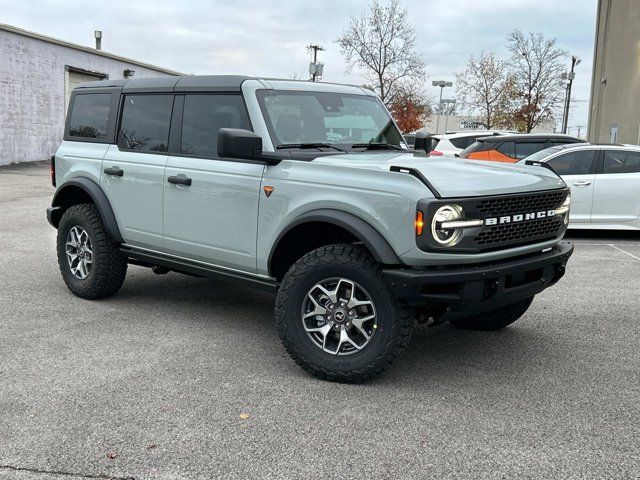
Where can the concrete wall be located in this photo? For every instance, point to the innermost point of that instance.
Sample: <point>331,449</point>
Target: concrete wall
<point>615,87</point>
<point>32,93</point>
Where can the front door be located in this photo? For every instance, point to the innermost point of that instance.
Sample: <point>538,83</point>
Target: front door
<point>211,204</point>
<point>577,169</point>
<point>133,171</point>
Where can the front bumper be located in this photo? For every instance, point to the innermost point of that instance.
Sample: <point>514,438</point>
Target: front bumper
<point>459,291</point>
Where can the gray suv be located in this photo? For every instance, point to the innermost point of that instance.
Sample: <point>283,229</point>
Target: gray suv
<point>307,190</point>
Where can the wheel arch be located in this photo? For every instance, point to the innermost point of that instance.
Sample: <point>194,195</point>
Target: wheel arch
<point>334,226</point>
<point>84,190</point>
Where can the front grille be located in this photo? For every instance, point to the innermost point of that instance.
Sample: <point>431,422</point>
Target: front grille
<point>495,207</point>
<point>522,232</point>
<point>516,231</point>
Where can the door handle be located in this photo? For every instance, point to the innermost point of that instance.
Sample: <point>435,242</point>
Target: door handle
<point>581,184</point>
<point>179,180</point>
<point>115,171</point>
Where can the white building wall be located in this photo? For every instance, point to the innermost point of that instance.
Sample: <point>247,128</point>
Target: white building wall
<point>32,92</point>
<point>466,123</point>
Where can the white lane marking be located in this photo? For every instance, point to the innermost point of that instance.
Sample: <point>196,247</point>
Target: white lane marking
<point>627,253</point>
<point>604,244</point>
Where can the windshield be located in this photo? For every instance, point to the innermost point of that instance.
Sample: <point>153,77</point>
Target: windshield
<point>536,157</point>
<point>343,120</point>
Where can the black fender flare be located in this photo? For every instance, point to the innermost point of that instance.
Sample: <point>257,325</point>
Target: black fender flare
<point>359,228</point>
<point>99,198</point>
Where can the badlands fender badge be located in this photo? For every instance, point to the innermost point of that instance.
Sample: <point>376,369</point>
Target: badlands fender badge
<point>268,190</point>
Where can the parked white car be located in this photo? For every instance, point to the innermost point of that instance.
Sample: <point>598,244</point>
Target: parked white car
<point>451,143</point>
<point>604,182</point>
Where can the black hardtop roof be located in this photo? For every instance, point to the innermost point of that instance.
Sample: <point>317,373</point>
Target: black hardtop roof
<point>200,83</point>
<point>530,136</point>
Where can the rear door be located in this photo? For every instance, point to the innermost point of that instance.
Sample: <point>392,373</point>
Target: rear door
<point>133,170</point>
<point>210,203</point>
<point>616,196</point>
<point>577,169</point>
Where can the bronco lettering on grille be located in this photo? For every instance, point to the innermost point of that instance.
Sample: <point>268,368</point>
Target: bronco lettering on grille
<point>522,217</point>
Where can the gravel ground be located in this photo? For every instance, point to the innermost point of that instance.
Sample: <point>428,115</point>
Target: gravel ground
<point>178,377</point>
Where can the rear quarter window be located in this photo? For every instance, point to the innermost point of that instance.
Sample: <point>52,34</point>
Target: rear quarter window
<point>89,116</point>
<point>464,142</point>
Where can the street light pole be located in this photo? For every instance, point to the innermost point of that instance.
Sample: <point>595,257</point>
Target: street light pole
<point>567,99</point>
<point>441,84</point>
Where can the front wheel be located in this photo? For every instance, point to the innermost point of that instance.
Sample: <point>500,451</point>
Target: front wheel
<point>336,317</point>
<point>495,319</point>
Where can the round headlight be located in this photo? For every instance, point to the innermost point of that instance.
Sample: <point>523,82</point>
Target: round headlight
<point>446,213</point>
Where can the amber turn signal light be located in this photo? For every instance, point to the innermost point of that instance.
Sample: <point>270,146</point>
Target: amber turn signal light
<point>419,223</point>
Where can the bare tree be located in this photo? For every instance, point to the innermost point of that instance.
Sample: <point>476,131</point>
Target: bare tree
<point>486,87</point>
<point>382,42</point>
<point>536,64</point>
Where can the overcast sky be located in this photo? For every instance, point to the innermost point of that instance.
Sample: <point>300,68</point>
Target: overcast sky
<point>268,37</point>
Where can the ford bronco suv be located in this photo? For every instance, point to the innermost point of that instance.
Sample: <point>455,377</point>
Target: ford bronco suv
<point>307,190</point>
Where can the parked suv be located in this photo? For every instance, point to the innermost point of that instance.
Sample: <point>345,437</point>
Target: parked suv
<point>306,190</point>
<point>511,148</point>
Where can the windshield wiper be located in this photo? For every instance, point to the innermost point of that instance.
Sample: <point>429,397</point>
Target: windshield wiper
<point>308,145</point>
<point>376,146</point>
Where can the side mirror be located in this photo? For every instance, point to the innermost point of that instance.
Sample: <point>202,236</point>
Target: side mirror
<point>238,143</point>
<point>424,141</point>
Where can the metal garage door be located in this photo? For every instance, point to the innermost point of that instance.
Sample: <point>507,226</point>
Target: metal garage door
<point>74,78</point>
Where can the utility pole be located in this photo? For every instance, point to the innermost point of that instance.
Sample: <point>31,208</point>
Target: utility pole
<point>441,84</point>
<point>567,99</point>
<point>315,68</point>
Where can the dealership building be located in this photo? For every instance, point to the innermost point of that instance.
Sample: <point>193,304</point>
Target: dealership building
<point>615,86</point>
<point>37,74</point>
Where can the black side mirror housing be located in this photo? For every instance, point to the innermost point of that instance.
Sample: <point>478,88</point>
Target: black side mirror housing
<point>424,141</point>
<point>239,143</point>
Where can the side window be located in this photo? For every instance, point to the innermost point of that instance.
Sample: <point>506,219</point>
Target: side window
<point>524,149</point>
<point>204,115</point>
<point>507,148</point>
<point>145,122</point>
<point>463,142</point>
<point>90,115</point>
<point>619,161</point>
<point>574,163</point>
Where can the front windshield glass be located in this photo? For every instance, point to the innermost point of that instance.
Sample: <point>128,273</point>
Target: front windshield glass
<point>339,119</point>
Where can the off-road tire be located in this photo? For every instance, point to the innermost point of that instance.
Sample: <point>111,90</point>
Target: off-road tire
<point>394,321</point>
<point>109,266</point>
<point>495,319</point>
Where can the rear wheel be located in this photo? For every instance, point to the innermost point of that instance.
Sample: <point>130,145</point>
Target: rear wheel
<point>89,260</point>
<point>495,319</point>
<point>336,317</point>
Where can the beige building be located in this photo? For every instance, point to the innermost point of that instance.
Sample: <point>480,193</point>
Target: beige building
<point>615,85</point>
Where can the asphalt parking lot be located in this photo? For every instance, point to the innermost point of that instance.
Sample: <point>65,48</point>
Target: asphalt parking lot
<point>179,377</point>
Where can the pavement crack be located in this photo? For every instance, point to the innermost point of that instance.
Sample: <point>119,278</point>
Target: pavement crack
<point>63,473</point>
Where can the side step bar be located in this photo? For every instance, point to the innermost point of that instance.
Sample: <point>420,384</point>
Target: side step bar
<point>181,265</point>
